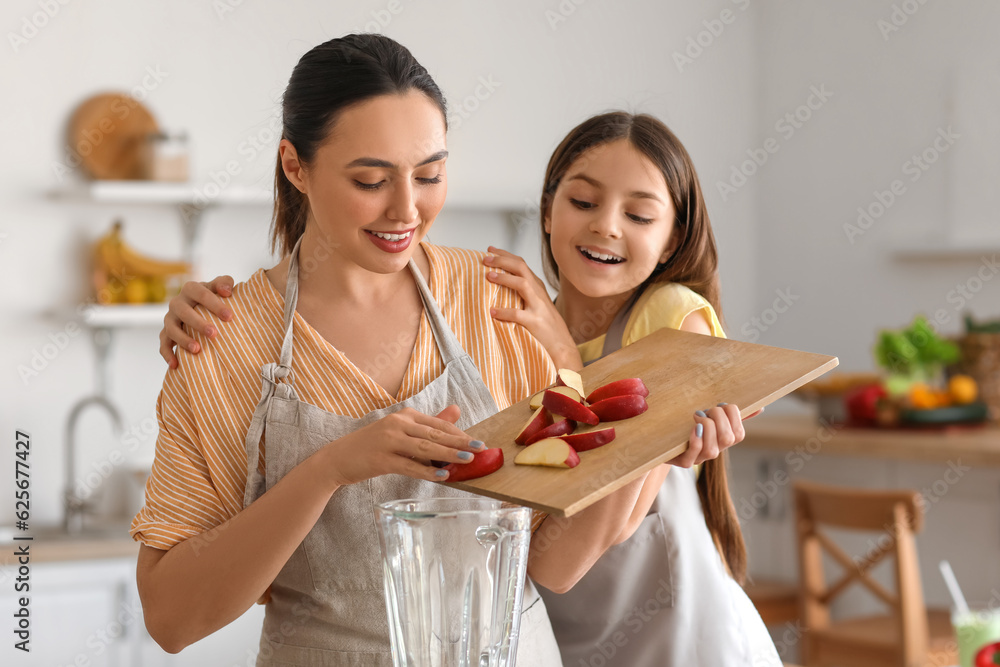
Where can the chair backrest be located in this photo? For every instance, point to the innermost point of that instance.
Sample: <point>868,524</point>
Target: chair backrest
<point>896,516</point>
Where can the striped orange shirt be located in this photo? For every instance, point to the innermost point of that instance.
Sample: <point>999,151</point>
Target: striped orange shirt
<point>206,404</point>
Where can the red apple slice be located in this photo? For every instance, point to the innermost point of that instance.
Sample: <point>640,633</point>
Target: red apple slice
<point>482,464</point>
<point>591,439</point>
<point>561,426</point>
<point>536,401</point>
<point>552,452</point>
<point>539,420</point>
<point>619,388</point>
<point>619,407</point>
<point>559,401</point>
<point>570,378</point>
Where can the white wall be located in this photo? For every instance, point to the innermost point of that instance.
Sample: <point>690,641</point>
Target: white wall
<point>221,79</point>
<point>894,87</point>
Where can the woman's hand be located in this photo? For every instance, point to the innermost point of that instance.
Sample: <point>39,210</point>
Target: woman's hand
<point>715,430</point>
<point>404,443</point>
<point>181,313</point>
<point>539,315</point>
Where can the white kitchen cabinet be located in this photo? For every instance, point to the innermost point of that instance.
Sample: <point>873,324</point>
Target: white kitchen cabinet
<point>87,614</point>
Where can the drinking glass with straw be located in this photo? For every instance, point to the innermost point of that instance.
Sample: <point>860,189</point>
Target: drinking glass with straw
<point>974,629</point>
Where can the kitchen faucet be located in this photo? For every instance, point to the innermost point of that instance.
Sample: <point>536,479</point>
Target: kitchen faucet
<point>75,506</point>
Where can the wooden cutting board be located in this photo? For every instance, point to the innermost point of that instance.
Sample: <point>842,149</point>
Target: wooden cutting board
<point>110,134</point>
<point>684,372</point>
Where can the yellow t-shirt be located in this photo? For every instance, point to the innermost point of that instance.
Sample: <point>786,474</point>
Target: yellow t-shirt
<point>661,306</point>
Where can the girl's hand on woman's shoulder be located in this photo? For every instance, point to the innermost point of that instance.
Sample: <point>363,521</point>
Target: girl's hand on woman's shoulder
<point>181,313</point>
<point>715,430</point>
<point>406,442</point>
<point>538,315</point>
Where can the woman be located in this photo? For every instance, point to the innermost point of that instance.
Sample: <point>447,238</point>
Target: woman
<point>360,333</point>
<point>356,356</point>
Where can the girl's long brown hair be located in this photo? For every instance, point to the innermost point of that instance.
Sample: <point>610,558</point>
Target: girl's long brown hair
<point>693,263</point>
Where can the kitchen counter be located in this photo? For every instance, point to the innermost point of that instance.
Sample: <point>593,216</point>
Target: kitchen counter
<point>51,545</point>
<point>977,445</point>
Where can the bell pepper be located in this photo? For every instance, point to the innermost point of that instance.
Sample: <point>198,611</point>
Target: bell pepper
<point>988,656</point>
<point>862,403</point>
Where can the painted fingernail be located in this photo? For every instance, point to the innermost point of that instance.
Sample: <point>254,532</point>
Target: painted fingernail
<point>440,473</point>
<point>477,444</point>
<point>701,413</point>
<point>699,429</point>
<point>723,404</point>
<point>465,456</point>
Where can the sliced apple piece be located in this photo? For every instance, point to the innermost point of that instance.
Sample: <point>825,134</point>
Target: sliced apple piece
<point>590,439</point>
<point>483,463</point>
<point>560,426</point>
<point>570,378</point>
<point>619,407</point>
<point>565,401</point>
<point>619,388</point>
<point>536,401</point>
<point>539,420</point>
<point>552,452</point>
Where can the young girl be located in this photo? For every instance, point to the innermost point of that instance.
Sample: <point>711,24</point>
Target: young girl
<point>627,240</point>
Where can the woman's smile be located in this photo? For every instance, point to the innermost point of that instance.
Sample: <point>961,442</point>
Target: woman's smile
<point>391,241</point>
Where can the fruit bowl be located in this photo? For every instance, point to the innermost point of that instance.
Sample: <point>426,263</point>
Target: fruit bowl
<point>969,413</point>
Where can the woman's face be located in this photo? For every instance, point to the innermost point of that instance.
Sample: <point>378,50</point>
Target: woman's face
<point>377,183</point>
<point>611,221</point>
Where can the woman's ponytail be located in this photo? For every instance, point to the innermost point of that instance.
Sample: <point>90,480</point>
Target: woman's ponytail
<point>291,209</point>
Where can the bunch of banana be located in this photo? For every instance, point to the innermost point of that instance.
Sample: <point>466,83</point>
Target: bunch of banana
<point>122,275</point>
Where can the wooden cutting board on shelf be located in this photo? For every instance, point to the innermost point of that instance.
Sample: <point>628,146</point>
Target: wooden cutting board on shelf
<point>684,372</point>
<point>110,132</point>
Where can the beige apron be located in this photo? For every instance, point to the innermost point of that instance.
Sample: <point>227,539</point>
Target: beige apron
<point>327,604</point>
<point>651,602</point>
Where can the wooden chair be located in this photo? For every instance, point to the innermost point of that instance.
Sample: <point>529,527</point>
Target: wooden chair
<point>777,602</point>
<point>909,635</point>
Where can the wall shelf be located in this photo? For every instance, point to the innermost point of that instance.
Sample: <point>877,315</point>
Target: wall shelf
<point>944,248</point>
<point>189,200</point>
<point>122,316</point>
<point>157,192</point>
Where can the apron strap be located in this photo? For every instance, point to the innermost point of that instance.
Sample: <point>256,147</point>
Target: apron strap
<point>270,386</point>
<point>616,331</point>
<point>447,343</point>
<point>291,301</point>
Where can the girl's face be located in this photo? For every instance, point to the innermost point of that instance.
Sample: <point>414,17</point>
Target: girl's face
<point>611,221</point>
<point>377,183</point>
